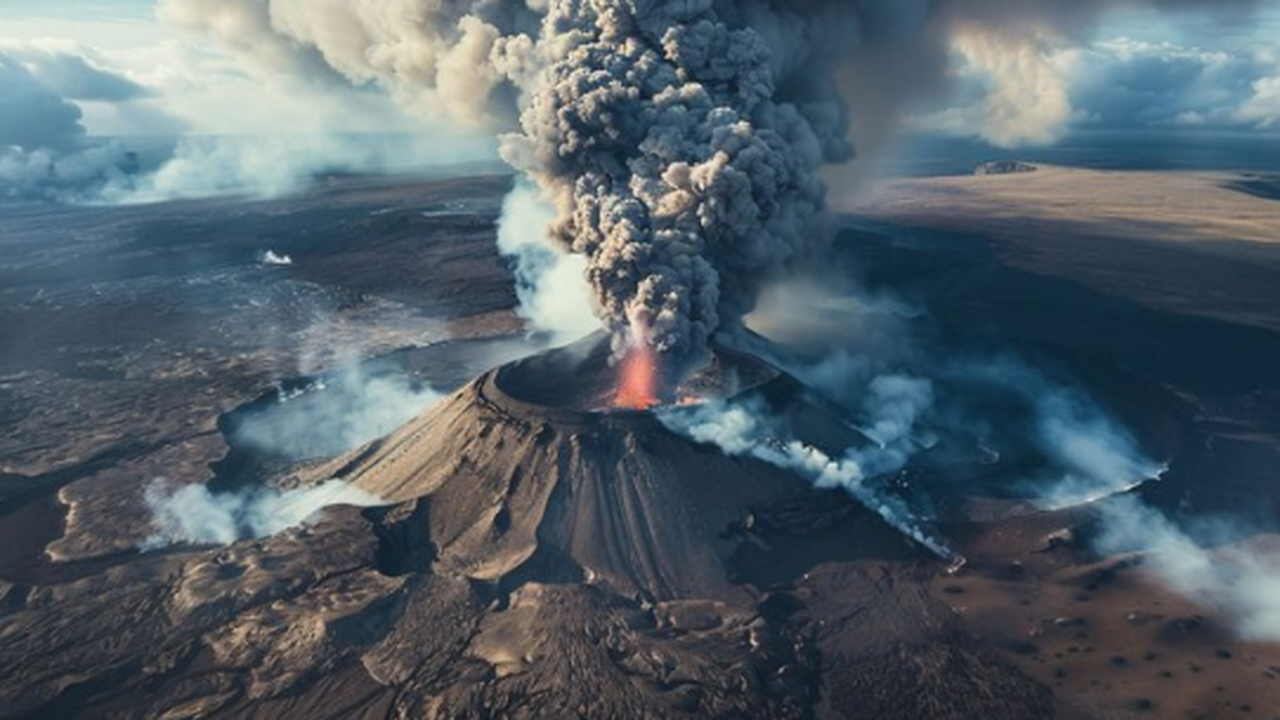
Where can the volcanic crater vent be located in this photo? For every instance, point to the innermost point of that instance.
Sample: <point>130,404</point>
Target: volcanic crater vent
<point>530,473</point>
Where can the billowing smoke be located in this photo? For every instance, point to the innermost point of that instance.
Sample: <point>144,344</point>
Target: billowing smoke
<point>1239,579</point>
<point>340,412</point>
<point>678,140</point>
<point>1088,454</point>
<point>680,143</point>
<point>194,514</point>
<point>271,257</point>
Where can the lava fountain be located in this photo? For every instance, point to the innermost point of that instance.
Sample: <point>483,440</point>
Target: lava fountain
<point>638,379</point>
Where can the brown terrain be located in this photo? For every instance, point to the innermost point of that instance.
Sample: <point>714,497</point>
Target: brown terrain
<point>542,556</point>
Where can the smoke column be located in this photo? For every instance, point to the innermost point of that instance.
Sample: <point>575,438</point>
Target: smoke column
<point>678,140</point>
<point>677,167</point>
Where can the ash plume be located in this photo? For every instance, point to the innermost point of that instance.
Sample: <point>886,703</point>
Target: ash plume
<point>679,140</point>
<point>680,143</point>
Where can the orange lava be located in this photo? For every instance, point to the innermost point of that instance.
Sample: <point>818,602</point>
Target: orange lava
<point>637,383</point>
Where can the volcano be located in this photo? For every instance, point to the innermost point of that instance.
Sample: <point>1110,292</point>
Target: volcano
<point>542,554</point>
<point>530,471</point>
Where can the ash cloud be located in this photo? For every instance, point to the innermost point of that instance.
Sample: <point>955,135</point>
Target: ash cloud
<point>680,142</point>
<point>194,514</point>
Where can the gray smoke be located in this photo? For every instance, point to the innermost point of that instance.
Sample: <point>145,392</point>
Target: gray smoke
<point>679,140</point>
<point>43,152</point>
<point>194,514</point>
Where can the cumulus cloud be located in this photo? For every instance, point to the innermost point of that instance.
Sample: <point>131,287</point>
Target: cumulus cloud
<point>1014,93</point>
<point>1026,100</point>
<point>1263,106</point>
<point>32,116</point>
<point>75,77</point>
<point>194,514</point>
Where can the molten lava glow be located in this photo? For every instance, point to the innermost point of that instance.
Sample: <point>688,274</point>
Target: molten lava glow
<point>637,383</point>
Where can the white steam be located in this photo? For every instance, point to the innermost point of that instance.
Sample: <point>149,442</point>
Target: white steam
<point>746,429</point>
<point>1240,580</point>
<point>193,514</point>
<point>1096,457</point>
<point>555,298</point>
<point>271,257</point>
<point>330,417</point>
<point>1089,454</point>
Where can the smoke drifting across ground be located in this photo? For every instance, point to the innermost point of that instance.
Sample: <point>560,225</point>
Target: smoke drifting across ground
<point>194,514</point>
<point>333,415</point>
<point>912,394</point>
<point>745,429</point>
<point>917,396</point>
<point>1240,580</point>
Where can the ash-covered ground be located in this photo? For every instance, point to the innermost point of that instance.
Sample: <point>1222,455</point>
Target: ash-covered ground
<point>534,563</point>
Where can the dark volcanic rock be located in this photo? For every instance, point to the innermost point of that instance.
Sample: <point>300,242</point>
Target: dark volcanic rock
<point>536,561</point>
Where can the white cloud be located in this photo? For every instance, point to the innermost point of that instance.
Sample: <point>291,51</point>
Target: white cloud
<point>1020,90</point>
<point>1027,101</point>
<point>1263,109</point>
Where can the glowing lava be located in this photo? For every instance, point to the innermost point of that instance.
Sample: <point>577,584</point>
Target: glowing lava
<point>638,380</point>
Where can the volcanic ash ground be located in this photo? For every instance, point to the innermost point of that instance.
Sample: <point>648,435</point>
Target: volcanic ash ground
<point>544,555</point>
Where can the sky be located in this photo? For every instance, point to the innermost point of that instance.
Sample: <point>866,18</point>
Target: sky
<point>73,74</point>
